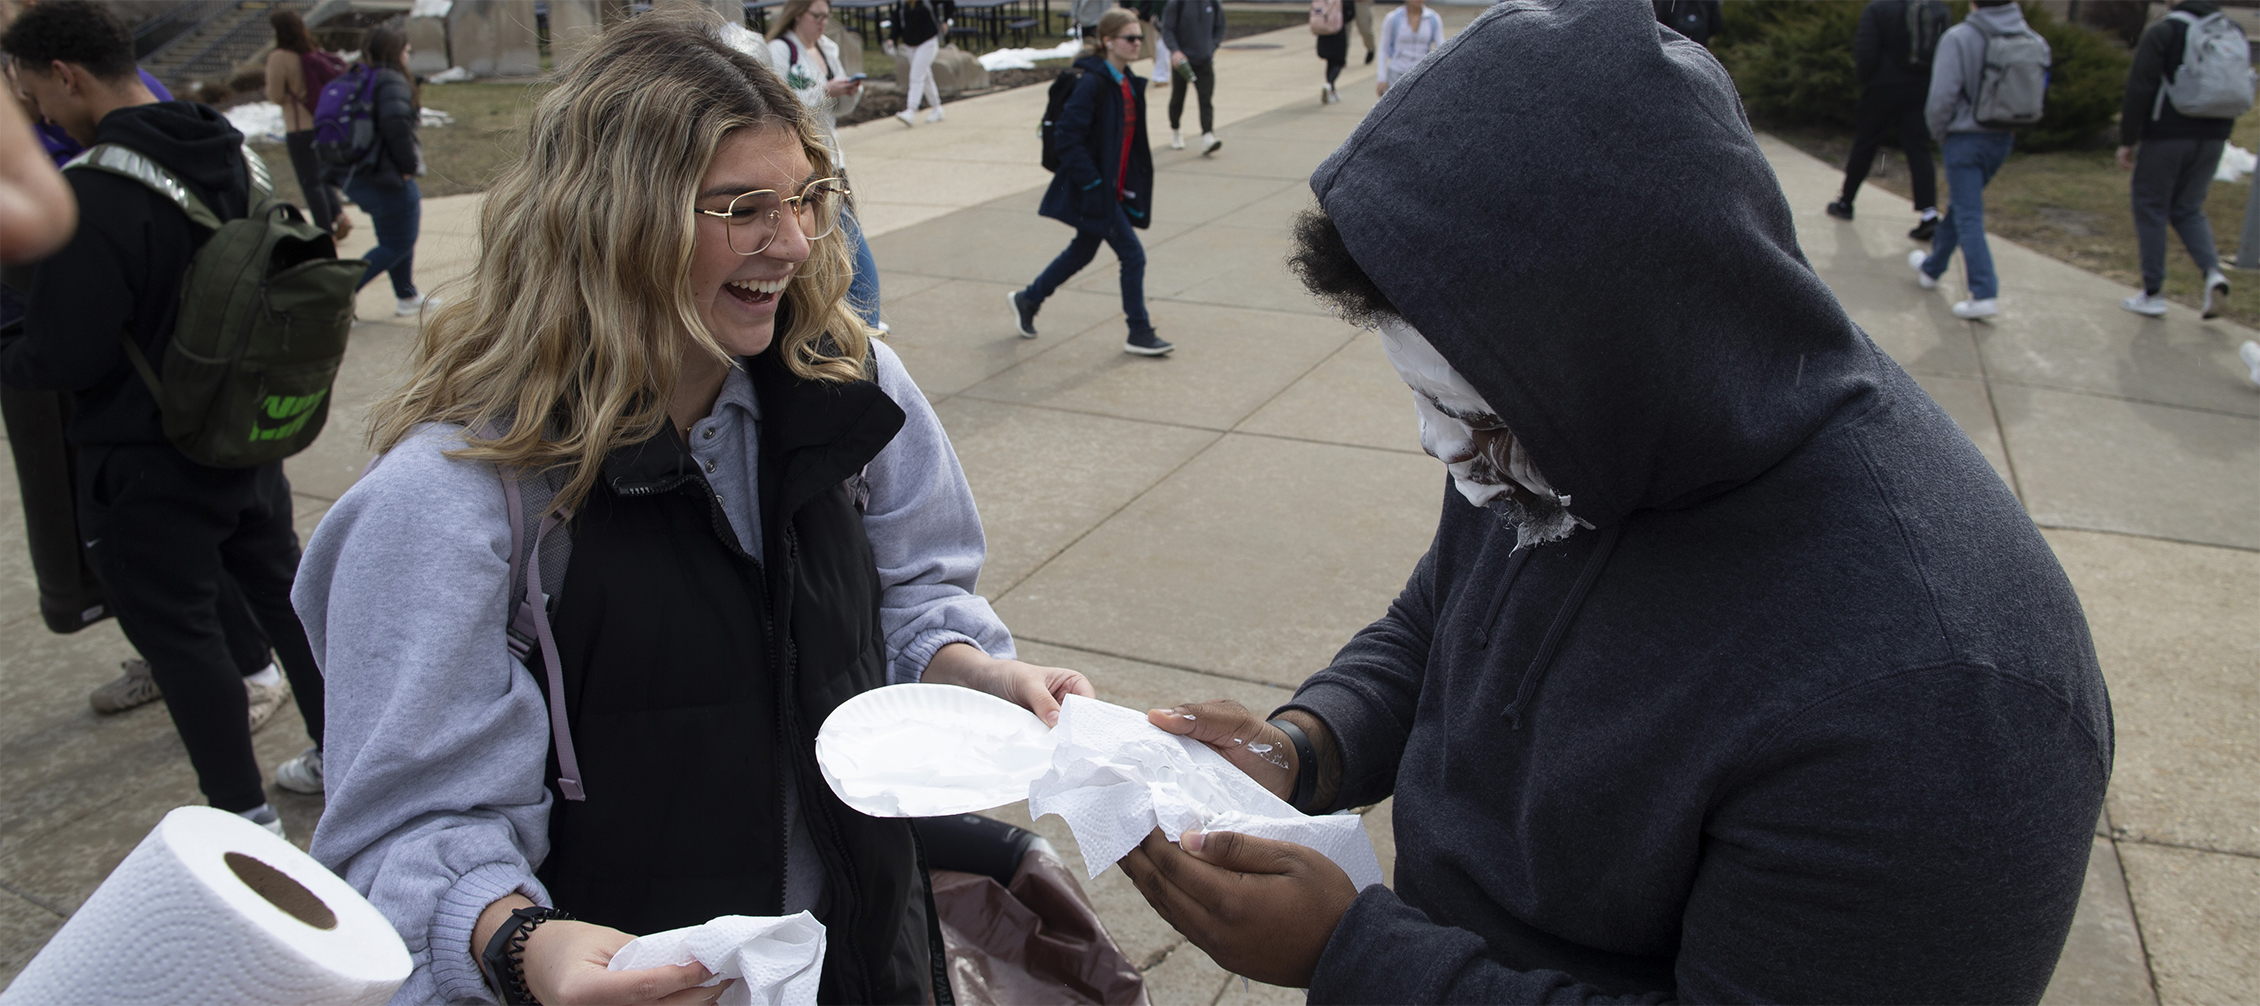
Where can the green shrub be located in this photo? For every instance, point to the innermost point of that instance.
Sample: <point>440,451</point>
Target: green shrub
<point>1792,61</point>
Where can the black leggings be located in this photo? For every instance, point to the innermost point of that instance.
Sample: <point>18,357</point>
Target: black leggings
<point>163,530</point>
<point>1204,81</point>
<point>322,204</point>
<point>1333,70</point>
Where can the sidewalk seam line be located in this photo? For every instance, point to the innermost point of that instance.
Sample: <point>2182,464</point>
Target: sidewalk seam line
<point>1993,408</point>
<point>2140,534</point>
<point>1110,515</point>
<point>35,900</point>
<point>2185,847</point>
<point>2134,915</point>
<point>1157,663</point>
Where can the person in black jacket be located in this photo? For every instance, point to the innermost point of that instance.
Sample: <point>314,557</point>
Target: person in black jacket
<point>2173,157</point>
<point>1733,673</point>
<point>1892,53</point>
<point>384,183</point>
<point>163,532</point>
<point>1104,185</point>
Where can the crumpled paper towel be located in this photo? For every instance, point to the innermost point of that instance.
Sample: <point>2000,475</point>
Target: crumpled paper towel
<point>1116,777</point>
<point>776,959</point>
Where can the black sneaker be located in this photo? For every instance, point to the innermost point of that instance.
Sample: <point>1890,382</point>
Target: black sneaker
<point>1369,57</point>
<point>1144,342</point>
<point>1023,314</point>
<point>1840,209</point>
<point>1925,230</point>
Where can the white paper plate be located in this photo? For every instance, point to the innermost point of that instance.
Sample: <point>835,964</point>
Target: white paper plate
<point>931,750</point>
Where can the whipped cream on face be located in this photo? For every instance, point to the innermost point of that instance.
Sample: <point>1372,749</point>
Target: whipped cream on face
<point>1451,412</point>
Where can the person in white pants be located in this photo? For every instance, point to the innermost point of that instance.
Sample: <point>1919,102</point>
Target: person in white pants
<point>924,24</point>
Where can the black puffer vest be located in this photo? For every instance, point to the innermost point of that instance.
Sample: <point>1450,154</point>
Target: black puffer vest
<point>696,677</point>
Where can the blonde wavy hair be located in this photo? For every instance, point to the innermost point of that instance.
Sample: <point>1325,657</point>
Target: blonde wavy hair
<point>579,310</point>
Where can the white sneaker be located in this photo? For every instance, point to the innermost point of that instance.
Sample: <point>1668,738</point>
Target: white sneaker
<point>1971,310</point>
<point>407,307</point>
<point>264,816</point>
<point>935,115</point>
<point>302,774</point>
<point>904,118</point>
<point>1916,259</point>
<point>2250,354</point>
<point>2216,295</point>
<point>265,699</point>
<point>1210,144</point>
<point>1176,140</point>
<point>2148,304</point>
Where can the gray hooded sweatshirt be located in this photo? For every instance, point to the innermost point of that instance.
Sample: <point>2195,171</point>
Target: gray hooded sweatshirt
<point>1808,712</point>
<point>438,737</point>
<point>1958,67</point>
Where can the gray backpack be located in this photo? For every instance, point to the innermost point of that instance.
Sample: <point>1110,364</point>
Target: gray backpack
<point>2013,88</point>
<point>2216,77</point>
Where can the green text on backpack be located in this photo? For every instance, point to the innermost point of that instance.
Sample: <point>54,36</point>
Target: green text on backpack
<point>264,315</point>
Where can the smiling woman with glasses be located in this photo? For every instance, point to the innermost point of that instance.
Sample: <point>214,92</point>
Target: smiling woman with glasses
<point>650,505</point>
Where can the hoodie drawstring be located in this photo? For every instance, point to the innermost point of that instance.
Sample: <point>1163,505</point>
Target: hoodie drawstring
<point>1562,619</point>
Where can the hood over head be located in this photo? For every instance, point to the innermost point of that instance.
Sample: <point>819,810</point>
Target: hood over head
<point>190,140</point>
<point>1566,201</point>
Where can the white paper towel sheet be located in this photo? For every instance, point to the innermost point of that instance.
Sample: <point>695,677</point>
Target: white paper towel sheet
<point>777,961</point>
<point>1115,777</point>
<point>211,908</point>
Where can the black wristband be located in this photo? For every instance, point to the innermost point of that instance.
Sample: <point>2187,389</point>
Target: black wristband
<point>1306,763</point>
<point>505,960</point>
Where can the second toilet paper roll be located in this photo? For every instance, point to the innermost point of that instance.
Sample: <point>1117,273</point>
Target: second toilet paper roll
<point>211,908</point>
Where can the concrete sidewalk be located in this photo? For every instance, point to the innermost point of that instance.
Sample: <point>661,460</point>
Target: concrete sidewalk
<point>1216,523</point>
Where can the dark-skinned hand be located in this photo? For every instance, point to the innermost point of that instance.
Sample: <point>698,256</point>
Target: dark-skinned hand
<point>1243,738</point>
<point>1259,907</point>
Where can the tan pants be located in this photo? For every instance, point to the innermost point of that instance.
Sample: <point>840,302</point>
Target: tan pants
<point>1365,24</point>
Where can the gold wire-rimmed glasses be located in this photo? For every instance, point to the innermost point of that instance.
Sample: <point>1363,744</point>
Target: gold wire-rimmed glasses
<point>752,219</point>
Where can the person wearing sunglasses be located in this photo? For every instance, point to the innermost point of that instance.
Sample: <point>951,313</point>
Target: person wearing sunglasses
<point>1104,185</point>
<point>764,519</point>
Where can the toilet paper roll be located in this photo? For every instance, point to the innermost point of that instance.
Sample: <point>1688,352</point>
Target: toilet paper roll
<point>211,908</point>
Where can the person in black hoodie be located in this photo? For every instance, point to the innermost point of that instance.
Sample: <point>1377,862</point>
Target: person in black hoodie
<point>1749,681</point>
<point>159,528</point>
<point>1891,52</point>
<point>384,183</point>
<point>1104,185</point>
<point>2173,157</point>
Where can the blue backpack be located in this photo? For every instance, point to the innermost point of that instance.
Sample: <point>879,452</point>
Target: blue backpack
<point>345,118</point>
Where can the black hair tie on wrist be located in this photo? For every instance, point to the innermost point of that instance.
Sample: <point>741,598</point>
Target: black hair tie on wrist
<point>1306,763</point>
<point>505,956</point>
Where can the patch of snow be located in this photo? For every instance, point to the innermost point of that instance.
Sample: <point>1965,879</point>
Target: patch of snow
<point>431,8</point>
<point>451,75</point>
<point>2236,162</point>
<point>1025,59</point>
<point>434,117</point>
<point>258,121</point>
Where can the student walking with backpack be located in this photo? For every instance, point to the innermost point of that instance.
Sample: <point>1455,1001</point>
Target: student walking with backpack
<point>654,405</point>
<point>1103,181</point>
<point>383,181</point>
<point>1192,30</point>
<point>2192,76</point>
<point>1892,51</point>
<point>296,73</point>
<point>1989,77</point>
<point>163,193</point>
<point>1327,21</point>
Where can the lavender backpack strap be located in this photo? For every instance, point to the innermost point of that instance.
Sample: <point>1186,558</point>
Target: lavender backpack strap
<point>529,618</point>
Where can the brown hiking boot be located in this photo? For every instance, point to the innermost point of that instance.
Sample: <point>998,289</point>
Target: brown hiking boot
<point>136,688</point>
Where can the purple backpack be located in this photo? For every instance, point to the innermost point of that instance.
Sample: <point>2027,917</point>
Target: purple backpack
<point>345,121</point>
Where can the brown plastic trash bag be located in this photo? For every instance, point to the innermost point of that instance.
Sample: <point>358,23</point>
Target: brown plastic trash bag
<point>1039,942</point>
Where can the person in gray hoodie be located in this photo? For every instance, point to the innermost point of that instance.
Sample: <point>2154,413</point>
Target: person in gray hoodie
<point>1973,153</point>
<point>1733,672</point>
<point>1193,30</point>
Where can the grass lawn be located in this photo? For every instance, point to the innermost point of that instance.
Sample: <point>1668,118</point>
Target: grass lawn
<point>464,156</point>
<point>2073,205</point>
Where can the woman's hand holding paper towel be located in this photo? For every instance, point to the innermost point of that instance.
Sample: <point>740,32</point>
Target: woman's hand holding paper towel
<point>1038,689</point>
<point>1259,907</point>
<point>565,964</point>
